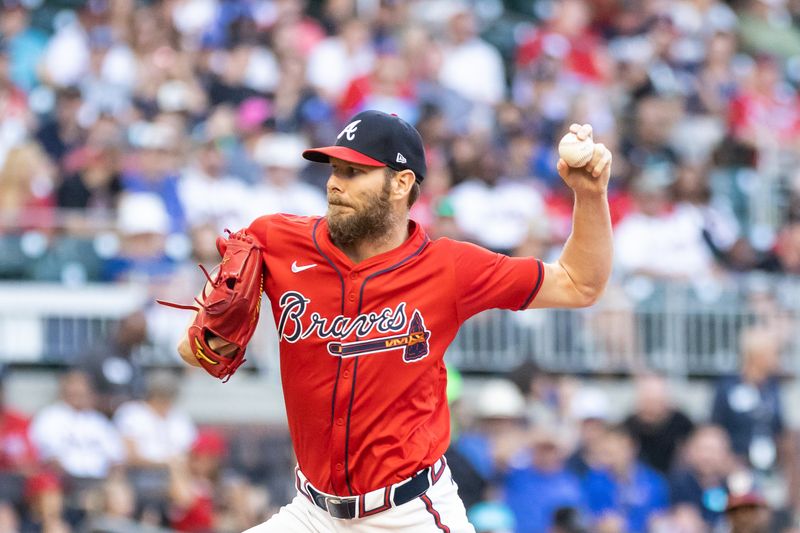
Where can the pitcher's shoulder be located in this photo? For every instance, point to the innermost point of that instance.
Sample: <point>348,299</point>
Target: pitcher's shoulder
<point>281,226</point>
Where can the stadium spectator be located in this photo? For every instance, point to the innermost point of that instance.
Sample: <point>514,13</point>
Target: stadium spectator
<point>26,188</point>
<point>194,484</point>
<point>238,132</point>
<point>491,517</point>
<point>117,375</point>
<point>464,53</point>
<point>589,410</point>
<point>784,258</point>
<point>748,406</point>
<point>386,86</point>
<point>567,38</point>
<point>155,431</point>
<point>18,456</point>
<point>17,453</point>
<point>115,507</point>
<point>542,393</point>
<point>93,181</point>
<point>747,511</point>
<point>72,436</point>
<point>337,60</point>
<point>765,114</point>
<point>535,486</point>
<point>23,43</point>
<point>143,224</point>
<point>716,81</point>
<point>62,132</point>
<point>44,506</point>
<point>624,489</point>
<point>215,197</point>
<point>496,433</point>
<point>658,241</point>
<point>657,426</point>
<point>14,108</point>
<point>764,27</point>
<point>280,189</point>
<point>714,219</point>
<point>496,212</point>
<point>154,167</point>
<point>157,97</point>
<point>698,484</point>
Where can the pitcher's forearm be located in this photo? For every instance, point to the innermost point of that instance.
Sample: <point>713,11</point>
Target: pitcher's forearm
<point>588,253</point>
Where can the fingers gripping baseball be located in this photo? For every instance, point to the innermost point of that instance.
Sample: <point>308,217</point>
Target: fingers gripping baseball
<point>584,166</point>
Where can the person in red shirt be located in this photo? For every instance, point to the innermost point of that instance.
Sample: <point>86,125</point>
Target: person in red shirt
<point>17,452</point>
<point>192,484</point>
<point>365,306</point>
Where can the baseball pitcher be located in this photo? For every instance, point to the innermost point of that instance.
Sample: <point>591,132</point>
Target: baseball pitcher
<point>365,305</point>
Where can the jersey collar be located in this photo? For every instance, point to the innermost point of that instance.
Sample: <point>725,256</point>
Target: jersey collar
<point>416,241</point>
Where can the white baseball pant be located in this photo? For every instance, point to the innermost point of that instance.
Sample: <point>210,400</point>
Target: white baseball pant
<point>439,510</point>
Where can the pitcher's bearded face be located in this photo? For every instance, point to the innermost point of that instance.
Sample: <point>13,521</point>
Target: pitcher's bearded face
<point>359,208</point>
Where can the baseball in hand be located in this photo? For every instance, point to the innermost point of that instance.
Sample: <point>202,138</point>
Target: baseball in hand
<point>575,152</point>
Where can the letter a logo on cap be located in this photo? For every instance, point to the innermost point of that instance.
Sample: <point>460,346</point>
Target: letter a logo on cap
<point>400,158</point>
<point>350,130</point>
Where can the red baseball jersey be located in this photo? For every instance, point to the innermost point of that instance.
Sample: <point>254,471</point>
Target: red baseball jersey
<point>362,345</point>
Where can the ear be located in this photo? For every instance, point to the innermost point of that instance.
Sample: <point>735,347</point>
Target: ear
<point>402,183</point>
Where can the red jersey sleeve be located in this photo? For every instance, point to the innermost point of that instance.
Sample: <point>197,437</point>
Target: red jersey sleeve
<point>488,280</point>
<point>258,229</point>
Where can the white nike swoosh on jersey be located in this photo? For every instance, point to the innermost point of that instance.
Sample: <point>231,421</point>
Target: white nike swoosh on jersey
<point>297,269</point>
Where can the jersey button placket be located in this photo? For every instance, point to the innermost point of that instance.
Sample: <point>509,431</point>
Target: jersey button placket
<point>343,392</point>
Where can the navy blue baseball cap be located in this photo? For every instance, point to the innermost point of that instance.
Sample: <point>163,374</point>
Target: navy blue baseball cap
<point>376,139</point>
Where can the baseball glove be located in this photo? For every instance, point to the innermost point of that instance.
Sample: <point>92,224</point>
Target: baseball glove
<point>230,309</point>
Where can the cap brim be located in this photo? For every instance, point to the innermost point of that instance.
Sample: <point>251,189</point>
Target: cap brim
<point>324,154</point>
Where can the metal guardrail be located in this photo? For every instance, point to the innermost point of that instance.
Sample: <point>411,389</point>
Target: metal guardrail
<point>675,328</point>
<point>678,329</point>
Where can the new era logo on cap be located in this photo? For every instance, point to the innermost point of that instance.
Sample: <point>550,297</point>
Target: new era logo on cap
<point>377,139</point>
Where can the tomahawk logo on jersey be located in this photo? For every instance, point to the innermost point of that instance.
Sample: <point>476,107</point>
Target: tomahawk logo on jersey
<point>362,344</point>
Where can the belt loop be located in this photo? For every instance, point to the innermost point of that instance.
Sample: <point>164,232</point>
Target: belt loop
<point>437,471</point>
<point>392,489</point>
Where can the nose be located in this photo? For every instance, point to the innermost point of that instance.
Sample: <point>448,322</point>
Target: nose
<point>335,184</point>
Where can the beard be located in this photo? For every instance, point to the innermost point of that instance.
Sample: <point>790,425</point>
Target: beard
<point>372,221</point>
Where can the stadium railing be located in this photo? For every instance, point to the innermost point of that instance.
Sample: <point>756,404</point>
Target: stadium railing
<point>680,329</point>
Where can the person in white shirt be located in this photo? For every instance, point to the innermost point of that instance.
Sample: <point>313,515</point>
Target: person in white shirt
<point>75,437</point>
<point>496,215</point>
<point>470,66</point>
<point>208,195</point>
<point>337,60</point>
<point>658,240</point>
<point>280,189</point>
<point>155,431</point>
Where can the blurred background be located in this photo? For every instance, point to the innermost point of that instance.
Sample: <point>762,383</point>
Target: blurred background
<point>132,132</point>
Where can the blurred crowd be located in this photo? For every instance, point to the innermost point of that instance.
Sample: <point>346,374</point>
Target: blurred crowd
<point>133,132</point>
<point>104,459</point>
<point>541,453</point>
<point>532,452</point>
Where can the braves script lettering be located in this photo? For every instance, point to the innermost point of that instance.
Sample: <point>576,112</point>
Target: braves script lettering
<point>292,328</point>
